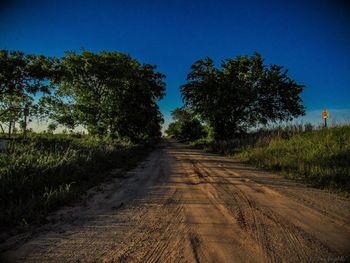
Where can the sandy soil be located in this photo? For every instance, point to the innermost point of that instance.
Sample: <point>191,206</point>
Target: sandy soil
<point>183,205</point>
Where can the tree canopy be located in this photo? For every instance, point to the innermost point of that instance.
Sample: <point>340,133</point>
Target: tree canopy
<point>108,93</point>
<point>23,74</point>
<point>186,125</point>
<point>22,77</point>
<point>242,93</point>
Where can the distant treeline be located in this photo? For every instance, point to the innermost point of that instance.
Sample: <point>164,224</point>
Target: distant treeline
<point>107,93</point>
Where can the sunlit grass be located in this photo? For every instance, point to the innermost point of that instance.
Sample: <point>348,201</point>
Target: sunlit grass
<point>320,157</point>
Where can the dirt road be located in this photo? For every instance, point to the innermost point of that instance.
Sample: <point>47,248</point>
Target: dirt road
<point>183,205</point>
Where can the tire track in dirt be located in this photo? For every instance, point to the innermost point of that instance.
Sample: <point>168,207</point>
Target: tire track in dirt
<point>237,238</point>
<point>183,205</point>
<point>259,222</point>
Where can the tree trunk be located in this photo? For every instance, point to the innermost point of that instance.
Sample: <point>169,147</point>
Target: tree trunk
<point>10,126</point>
<point>26,114</point>
<point>25,127</point>
<point>2,129</point>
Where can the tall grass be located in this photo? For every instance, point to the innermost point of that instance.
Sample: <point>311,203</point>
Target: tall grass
<point>46,171</point>
<point>258,138</point>
<point>320,157</point>
<point>315,155</point>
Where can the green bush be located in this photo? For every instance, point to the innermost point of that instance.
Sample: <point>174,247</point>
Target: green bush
<point>202,143</point>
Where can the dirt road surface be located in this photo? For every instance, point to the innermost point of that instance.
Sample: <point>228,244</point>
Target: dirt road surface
<point>183,205</point>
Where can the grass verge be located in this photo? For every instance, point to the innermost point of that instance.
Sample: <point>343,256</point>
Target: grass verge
<point>47,171</point>
<point>319,157</point>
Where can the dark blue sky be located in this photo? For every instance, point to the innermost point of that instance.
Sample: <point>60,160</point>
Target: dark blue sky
<point>310,38</point>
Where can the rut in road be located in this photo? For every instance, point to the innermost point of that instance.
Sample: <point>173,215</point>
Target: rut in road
<point>183,205</point>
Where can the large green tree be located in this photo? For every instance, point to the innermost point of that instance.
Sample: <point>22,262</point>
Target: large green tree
<point>241,94</point>
<point>108,93</point>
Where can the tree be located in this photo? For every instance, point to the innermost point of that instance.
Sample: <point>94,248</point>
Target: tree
<point>241,94</point>
<point>13,110</point>
<point>186,125</point>
<point>108,93</point>
<point>52,127</point>
<point>24,74</point>
<point>182,114</point>
<point>21,78</point>
<point>174,130</point>
<point>58,109</point>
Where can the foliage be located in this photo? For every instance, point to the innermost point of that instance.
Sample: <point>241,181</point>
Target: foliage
<point>186,126</point>
<point>108,93</point>
<point>257,138</point>
<point>12,110</point>
<point>317,156</point>
<point>52,127</point>
<point>24,74</point>
<point>174,130</point>
<point>21,78</point>
<point>320,157</point>
<point>241,94</point>
<point>46,171</point>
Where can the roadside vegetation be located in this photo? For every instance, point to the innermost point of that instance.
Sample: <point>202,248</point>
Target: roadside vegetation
<point>109,96</point>
<point>233,110</point>
<point>320,158</point>
<point>49,170</point>
<point>317,156</point>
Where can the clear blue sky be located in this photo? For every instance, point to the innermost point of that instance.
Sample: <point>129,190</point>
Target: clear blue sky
<point>310,38</point>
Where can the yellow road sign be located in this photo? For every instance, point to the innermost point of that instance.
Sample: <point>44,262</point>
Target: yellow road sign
<point>325,114</point>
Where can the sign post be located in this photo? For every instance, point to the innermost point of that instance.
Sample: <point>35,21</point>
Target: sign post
<point>325,115</point>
